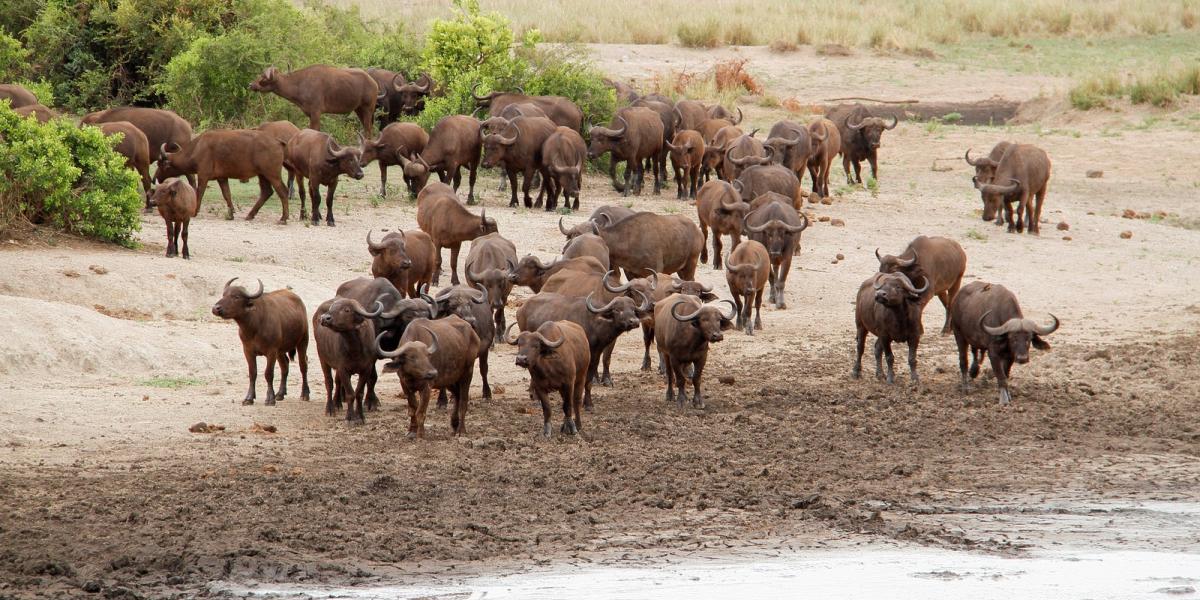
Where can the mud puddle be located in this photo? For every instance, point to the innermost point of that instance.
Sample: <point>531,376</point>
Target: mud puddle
<point>1143,555</point>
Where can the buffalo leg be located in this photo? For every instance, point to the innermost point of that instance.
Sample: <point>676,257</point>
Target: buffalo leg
<point>283,375</point>
<point>964,381</point>
<point>291,187</point>
<point>186,253</point>
<point>252,368</point>
<point>946,297</point>
<point>472,172</point>
<point>878,358</point>
<point>665,362</point>
<point>224,185</point>
<point>372,378</point>
<point>457,177</point>
<point>612,172</point>
<point>462,401</point>
<point>679,195</point>
<point>976,359</point>
<point>1001,372</point>
<point>912,360</point>
<point>483,374</point>
<point>302,358</point>
<point>442,401</point>
<point>201,187</point>
<point>772,275</point>
<point>717,249</point>
<point>302,187</point>
<point>329,189</point>
<point>757,309</point>
<point>697,370</point>
<point>857,171</point>
<point>512,180</point>
<point>874,160</point>
<point>606,379</point>
<point>739,309</point>
<point>593,367</point>
<point>704,244</point>
<point>1036,219</point>
<point>314,195</point>
<point>358,397</point>
<point>577,403</point>
<point>418,426</point>
<point>567,393</point>
<point>526,185</point>
<point>677,367</point>
<point>437,268</point>
<point>500,325</point>
<point>746,320</point>
<point>629,169</point>
<point>411,397</point>
<point>454,263</point>
<point>382,179</point>
<point>860,341</point>
<point>365,112</point>
<point>845,167</point>
<point>330,406</point>
<point>170,239</point>
<point>269,376</point>
<point>542,398</point>
<point>891,362</point>
<point>1030,224</point>
<point>314,121</point>
<point>647,339</point>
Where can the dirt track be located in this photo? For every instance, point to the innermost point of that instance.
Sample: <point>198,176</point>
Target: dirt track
<point>101,481</point>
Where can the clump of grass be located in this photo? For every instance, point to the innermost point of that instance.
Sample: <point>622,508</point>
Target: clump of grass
<point>1095,92</point>
<point>782,46</point>
<point>702,34</point>
<point>643,34</point>
<point>974,234</point>
<point>803,37</point>
<point>873,186</point>
<point>952,118</point>
<point>731,74</point>
<point>739,34</point>
<point>172,383</point>
<point>1160,88</point>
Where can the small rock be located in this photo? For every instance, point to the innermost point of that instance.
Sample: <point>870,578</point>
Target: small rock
<point>1126,235</point>
<point>91,587</point>
<point>257,428</point>
<point>824,219</point>
<point>837,223</point>
<point>1066,238</point>
<point>827,201</point>
<point>726,379</point>
<point>840,256</point>
<point>203,427</point>
<point>97,269</point>
<point>1064,226</point>
<point>807,502</point>
<point>1129,213</point>
<point>1094,174</point>
<point>71,273</point>
<point>833,262</point>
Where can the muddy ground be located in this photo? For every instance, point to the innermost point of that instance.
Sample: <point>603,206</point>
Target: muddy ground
<point>111,354</point>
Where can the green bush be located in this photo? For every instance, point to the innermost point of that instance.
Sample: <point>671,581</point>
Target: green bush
<point>14,58</point>
<point>17,15</point>
<point>566,71</point>
<point>68,177</point>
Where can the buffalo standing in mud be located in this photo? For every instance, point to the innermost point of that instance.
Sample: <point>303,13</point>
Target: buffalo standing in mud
<point>939,260</point>
<point>889,306</point>
<point>556,355</point>
<point>684,328</point>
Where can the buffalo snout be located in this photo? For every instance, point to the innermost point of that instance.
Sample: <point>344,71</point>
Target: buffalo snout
<point>217,310</point>
<point>716,336</point>
<point>430,375</point>
<point>523,361</point>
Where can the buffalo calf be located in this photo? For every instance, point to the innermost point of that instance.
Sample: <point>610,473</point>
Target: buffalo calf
<point>176,202</point>
<point>746,271</point>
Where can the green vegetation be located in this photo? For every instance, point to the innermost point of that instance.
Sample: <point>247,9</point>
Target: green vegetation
<point>1159,88</point>
<point>67,177</point>
<point>171,383</point>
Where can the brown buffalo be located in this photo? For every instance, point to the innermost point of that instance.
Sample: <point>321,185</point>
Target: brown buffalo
<point>860,133</point>
<point>565,156</point>
<point>987,319</point>
<point>647,242</point>
<point>666,114</point>
<point>533,273</point>
<point>777,226</point>
<point>717,111</point>
<point>387,103</point>
<point>625,91</point>
<point>602,217</point>
<point>747,269</point>
<point>556,355</point>
<point>828,142</point>
<point>273,325</point>
<point>224,154</point>
<point>985,168</point>
<point>793,145</point>
<point>135,148</point>
<point>160,126</point>
<point>714,150</point>
<point>472,305</point>
<point>322,89</point>
<point>559,109</point>
<point>518,149</point>
<point>683,328</point>
<point>677,286</point>
<point>283,131</point>
<point>588,244</point>
<point>709,128</point>
<point>743,152</point>
<point>488,264</point>
<point>636,136</point>
<point>889,306</point>
<point>687,158</point>
<point>17,95</point>
<point>938,260</point>
<point>315,156</point>
<point>43,114</point>
<point>345,336</point>
<point>524,109</point>
<point>721,208</point>
<point>407,259</point>
<point>759,180</point>
<point>176,202</point>
<point>1021,176</point>
<point>689,114</point>
<point>399,144</point>
<point>449,224</point>
<point>435,354</point>
<point>412,95</point>
<point>453,144</point>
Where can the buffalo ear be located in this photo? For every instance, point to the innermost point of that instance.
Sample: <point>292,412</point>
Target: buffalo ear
<point>726,324</point>
<point>708,296</point>
<point>1039,343</point>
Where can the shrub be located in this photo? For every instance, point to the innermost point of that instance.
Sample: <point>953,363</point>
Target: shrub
<point>739,34</point>
<point>14,58</point>
<point>781,46</point>
<point>566,71</point>
<point>17,15</point>
<point>702,34</point>
<point>68,177</point>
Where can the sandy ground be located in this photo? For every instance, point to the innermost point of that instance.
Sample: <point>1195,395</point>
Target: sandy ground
<point>101,482</point>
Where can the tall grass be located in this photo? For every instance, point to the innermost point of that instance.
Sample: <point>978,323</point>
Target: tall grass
<point>1159,88</point>
<point>905,24</point>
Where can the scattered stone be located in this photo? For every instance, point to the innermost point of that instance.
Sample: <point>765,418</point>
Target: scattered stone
<point>837,223</point>
<point>91,587</point>
<point>807,502</point>
<point>904,470</point>
<point>840,256</point>
<point>1066,238</point>
<point>1095,174</point>
<point>726,379</point>
<point>1126,235</point>
<point>827,201</point>
<point>203,427</point>
<point>97,269</point>
<point>1129,213</point>
<point>71,273</point>
<point>824,219</point>
<point>1064,226</point>
<point>257,428</point>
<point>833,262</point>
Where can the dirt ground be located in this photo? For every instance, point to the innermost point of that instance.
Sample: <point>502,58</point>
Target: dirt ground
<point>110,355</point>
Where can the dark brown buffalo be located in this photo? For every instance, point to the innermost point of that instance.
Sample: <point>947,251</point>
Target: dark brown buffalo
<point>315,156</point>
<point>987,319</point>
<point>759,180</point>
<point>345,336</point>
<point>793,145</point>
<point>176,202</point>
<point>889,306</point>
<point>565,156</point>
<point>709,128</point>
<point>689,114</point>
<point>625,91</point>
<point>636,135</point>
<point>471,305</point>
<point>777,226</point>
<point>687,158</point>
<point>860,133</point>
<point>1022,177</point>
<point>518,149</point>
<point>283,131</point>
<point>135,148</point>
<point>601,217</point>
<point>666,114</point>
<point>322,89</point>
<point>453,144</point>
<point>821,161</point>
<point>721,208</point>
<point>683,328</point>
<point>588,244</point>
<point>533,273</point>
<point>748,268</point>
<point>273,325</point>
<point>411,95</point>
<point>557,357</point>
<point>160,126</point>
<point>647,242</point>
<point>560,110</point>
<point>449,224</point>
<point>406,259</point>
<point>17,95</point>
<point>525,109</point>
<point>435,354</point>
<point>488,264</point>
<point>985,168</point>
<point>43,114</point>
<point>744,152</point>
<point>677,286</point>
<point>602,324</point>
<point>714,150</point>
<point>387,103</point>
<point>224,154</point>
<point>717,111</point>
<point>399,144</point>
<point>938,260</point>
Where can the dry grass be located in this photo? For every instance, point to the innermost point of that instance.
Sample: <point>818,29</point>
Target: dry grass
<point>1159,88</point>
<point>890,24</point>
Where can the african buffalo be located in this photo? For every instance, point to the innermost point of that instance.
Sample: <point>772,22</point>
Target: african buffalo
<point>719,206</point>
<point>747,269</point>
<point>472,305</point>
<point>677,286</point>
<point>176,202</point>
<point>793,144</point>
<point>559,109</point>
<point>687,158</point>
<point>565,156</point>
<point>828,142</point>
<point>43,114</point>
<point>135,148</point>
<point>777,226</point>
<point>889,306</point>
<point>588,244</point>
<point>449,224</point>
<point>636,135</point>
<point>860,133</point>
<point>273,325</point>
<point>488,264</point>
<point>518,149</point>
<point>689,114</point>
<point>556,355</point>
<point>646,242</point>
<point>683,329</point>
<point>345,337</point>
<point>453,144</point>
<point>224,154</point>
<point>743,152</point>
<point>938,260</point>
<point>758,180</point>
<point>1021,176</point>
<point>602,216</point>
<point>533,273</point>
<point>17,95</point>
<point>405,259</point>
<point>435,354</point>
<point>321,89</point>
<point>315,156</point>
<point>399,144</point>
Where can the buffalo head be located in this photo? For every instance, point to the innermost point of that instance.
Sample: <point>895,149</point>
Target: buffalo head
<point>693,288</point>
<point>533,345</point>
<point>494,281</point>
<point>236,301</point>
<point>1018,333</point>
<point>346,314</point>
<point>497,146</point>
<point>708,319</point>
<point>389,257</point>
<point>624,312</point>
<point>606,139</point>
<point>894,289</point>
<point>267,82</point>
<point>871,128</point>
<point>411,359</point>
<point>775,234</point>
<point>412,95</point>
<point>347,160</point>
<point>461,301</point>
<point>528,269</point>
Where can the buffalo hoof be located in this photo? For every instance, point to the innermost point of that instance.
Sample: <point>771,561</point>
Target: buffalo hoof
<point>304,395</point>
<point>247,401</point>
<point>229,216</point>
<point>891,379</point>
<point>1005,396</point>
<point>964,387</point>
<point>646,364</point>
<point>330,222</point>
<point>758,324</point>
<point>331,411</point>
<point>698,401</point>
<point>471,199</point>
<point>856,373</point>
<point>546,430</point>
<point>670,395</point>
<point>187,256</point>
<point>278,398</point>
<point>606,381</point>
<point>281,221</point>
<point>750,330</point>
<point>568,428</point>
<point>681,399</point>
<point>315,221</point>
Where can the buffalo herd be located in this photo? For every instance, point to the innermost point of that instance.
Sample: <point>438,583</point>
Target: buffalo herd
<point>620,269</point>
